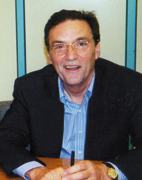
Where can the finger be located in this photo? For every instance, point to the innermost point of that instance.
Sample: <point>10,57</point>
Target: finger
<point>55,174</point>
<point>81,166</point>
<point>81,175</point>
<point>52,176</point>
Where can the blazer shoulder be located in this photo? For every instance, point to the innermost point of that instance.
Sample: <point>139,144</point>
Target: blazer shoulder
<point>46,73</point>
<point>117,72</point>
<point>43,81</point>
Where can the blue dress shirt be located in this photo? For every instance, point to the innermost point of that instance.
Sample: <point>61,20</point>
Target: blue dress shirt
<point>75,117</point>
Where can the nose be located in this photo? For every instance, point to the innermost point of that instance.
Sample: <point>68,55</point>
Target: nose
<point>71,54</point>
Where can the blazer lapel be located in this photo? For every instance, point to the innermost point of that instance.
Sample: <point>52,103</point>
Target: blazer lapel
<point>96,123</point>
<point>53,113</point>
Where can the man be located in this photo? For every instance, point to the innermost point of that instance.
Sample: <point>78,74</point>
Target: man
<point>79,103</point>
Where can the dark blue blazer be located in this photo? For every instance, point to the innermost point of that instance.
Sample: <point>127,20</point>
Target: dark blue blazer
<point>36,116</point>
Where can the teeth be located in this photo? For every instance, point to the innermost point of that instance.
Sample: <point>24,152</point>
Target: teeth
<point>69,67</point>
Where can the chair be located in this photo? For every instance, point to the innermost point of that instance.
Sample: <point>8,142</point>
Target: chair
<point>4,106</point>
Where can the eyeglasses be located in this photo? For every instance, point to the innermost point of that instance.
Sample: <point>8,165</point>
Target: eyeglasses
<point>78,46</point>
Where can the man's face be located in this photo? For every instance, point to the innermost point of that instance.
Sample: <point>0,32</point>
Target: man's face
<point>74,68</point>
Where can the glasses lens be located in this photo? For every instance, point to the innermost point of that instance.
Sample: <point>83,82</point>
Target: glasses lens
<point>59,48</point>
<point>80,45</point>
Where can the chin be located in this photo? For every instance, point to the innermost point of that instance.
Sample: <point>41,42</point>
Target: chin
<point>72,83</point>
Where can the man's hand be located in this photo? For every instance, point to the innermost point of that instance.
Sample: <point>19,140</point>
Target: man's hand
<point>86,170</point>
<point>42,173</point>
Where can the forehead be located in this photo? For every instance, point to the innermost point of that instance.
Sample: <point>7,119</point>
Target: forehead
<point>70,30</point>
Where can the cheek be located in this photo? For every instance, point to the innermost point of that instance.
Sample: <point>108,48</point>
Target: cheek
<point>53,59</point>
<point>89,60</point>
<point>57,63</point>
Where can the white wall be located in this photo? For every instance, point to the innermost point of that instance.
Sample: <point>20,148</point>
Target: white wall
<point>111,15</point>
<point>8,66</point>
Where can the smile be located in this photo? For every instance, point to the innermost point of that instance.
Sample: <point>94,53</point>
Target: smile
<point>72,67</point>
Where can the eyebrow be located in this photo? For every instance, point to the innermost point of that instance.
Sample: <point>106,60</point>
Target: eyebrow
<point>82,38</point>
<point>62,42</point>
<point>57,42</point>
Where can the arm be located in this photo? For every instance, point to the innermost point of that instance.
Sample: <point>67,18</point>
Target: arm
<point>26,167</point>
<point>14,134</point>
<point>125,116</point>
<point>35,170</point>
<point>130,162</point>
<point>45,174</point>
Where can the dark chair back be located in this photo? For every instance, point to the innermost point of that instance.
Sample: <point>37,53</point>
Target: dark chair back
<point>4,106</point>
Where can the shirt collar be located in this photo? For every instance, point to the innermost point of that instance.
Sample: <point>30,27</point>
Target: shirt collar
<point>63,95</point>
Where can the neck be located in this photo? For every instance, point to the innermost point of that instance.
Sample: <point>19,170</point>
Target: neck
<point>76,92</point>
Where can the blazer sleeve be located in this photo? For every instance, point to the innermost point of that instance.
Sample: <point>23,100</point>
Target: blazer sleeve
<point>15,133</point>
<point>131,162</point>
<point>114,113</point>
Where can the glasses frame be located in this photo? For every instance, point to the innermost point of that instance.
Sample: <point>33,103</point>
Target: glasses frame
<point>72,45</point>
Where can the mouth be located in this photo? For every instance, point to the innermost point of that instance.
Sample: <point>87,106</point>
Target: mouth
<point>72,67</point>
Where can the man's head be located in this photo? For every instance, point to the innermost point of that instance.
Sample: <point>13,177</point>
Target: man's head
<point>71,47</point>
<point>64,15</point>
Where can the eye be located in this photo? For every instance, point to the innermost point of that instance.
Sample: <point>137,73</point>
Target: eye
<point>59,46</point>
<point>81,43</point>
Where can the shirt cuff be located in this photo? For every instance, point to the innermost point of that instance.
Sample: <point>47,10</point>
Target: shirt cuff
<point>21,170</point>
<point>121,176</point>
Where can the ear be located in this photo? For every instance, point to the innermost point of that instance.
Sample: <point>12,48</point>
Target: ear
<point>49,58</point>
<point>98,50</point>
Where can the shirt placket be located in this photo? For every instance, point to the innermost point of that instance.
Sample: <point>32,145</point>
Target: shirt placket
<point>79,134</point>
<point>81,128</point>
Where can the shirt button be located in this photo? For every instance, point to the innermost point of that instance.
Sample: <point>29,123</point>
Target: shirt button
<point>79,110</point>
<point>80,131</point>
<point>80,152</point>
